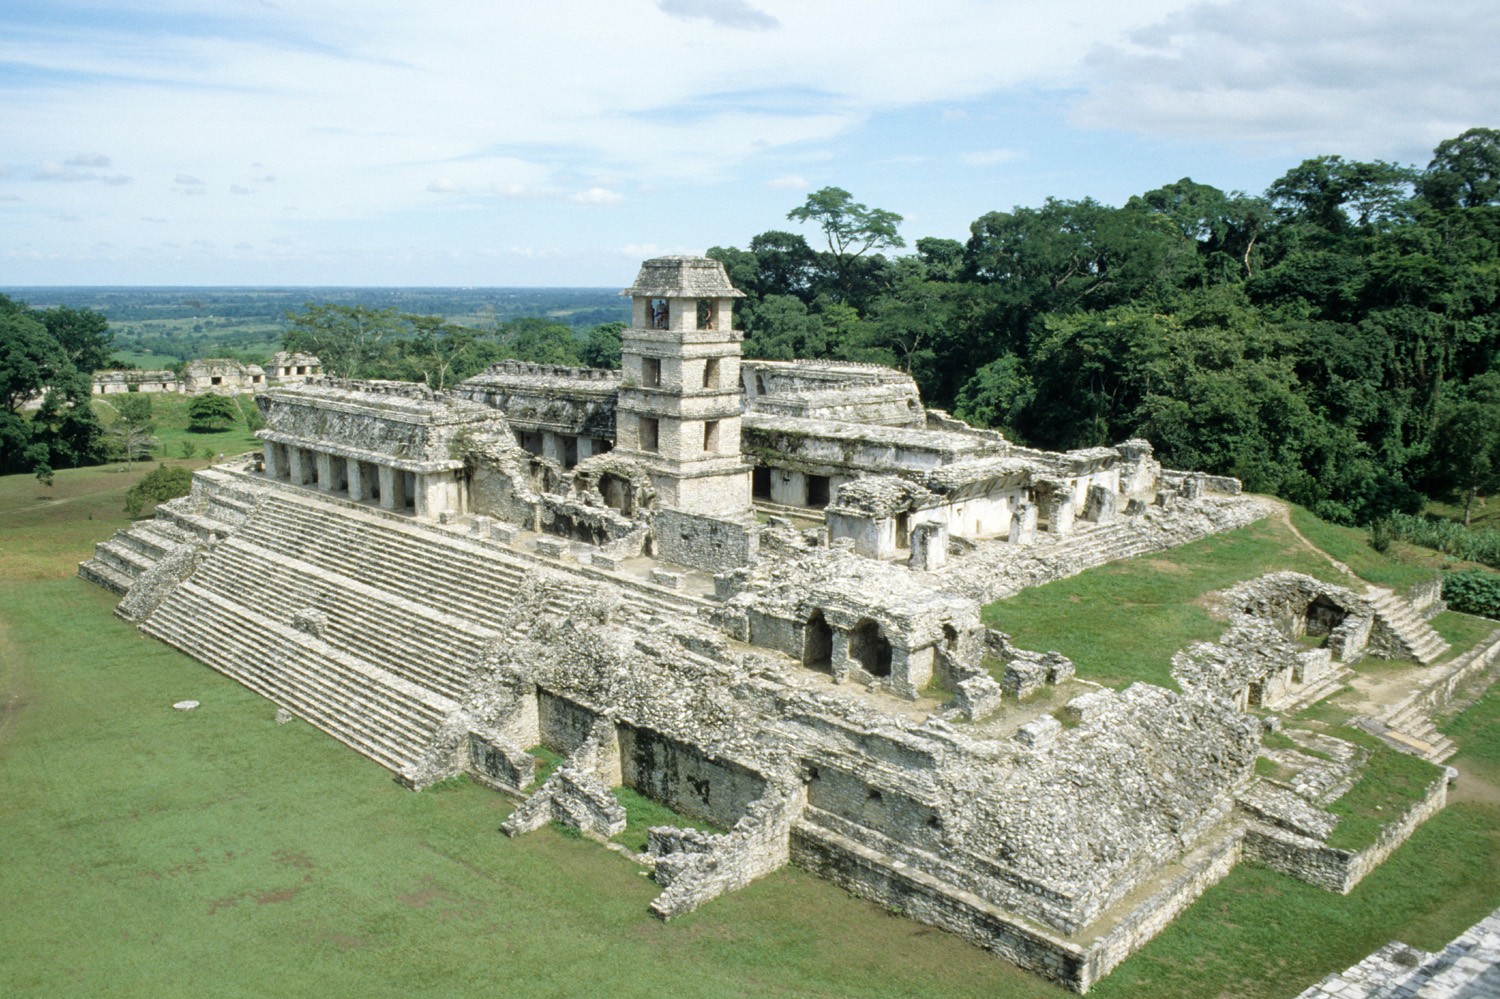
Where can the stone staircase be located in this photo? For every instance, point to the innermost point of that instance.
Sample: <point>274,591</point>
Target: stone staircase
<point>383,716</point>
<point>1416,637</point>
<point>206,515</point>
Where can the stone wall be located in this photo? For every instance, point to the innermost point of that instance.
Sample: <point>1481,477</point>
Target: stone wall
<point>1331,868</point>
<point>703,542</point>
<point>685,779</point>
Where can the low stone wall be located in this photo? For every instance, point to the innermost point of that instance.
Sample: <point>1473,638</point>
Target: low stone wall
<point>1146,920</point>
<point>1331,868</point>
<point>1434,699</point>
<point>694,868</point>
<point>706,543</point>
<point>866,873</point>
<point>1426,597</point>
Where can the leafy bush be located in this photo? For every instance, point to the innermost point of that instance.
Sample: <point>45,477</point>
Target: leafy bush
<point>157,486</point>
<point>1473,591</point>
<point>1474,544</point>
<point>208,413</point>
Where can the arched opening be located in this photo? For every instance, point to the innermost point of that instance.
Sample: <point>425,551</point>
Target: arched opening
<point>950,637</point>
<point>618,493</point>
<point>817,644</point>
<point>1323,615</point>
<point>903,530</point>
<point>868,647</point>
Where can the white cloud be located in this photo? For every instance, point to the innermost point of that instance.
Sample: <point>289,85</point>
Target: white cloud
<point>989,157</point>
<point>187,180</point>
<point>236,189</point>
<point>724,13</point>
<point>597,196</point>
<point>791,183</point>
<point>445,185</point>
<point>951,115</point>
<point>89,160</point>
<point>1384,78</point>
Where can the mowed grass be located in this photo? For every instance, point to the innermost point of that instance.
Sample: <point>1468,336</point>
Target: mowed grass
<point>158,853</point>
<point>1402,566</point>
<point>1122,622</point>
<point>169,412</point>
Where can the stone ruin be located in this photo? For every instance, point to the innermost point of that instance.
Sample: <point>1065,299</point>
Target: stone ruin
<point>750,591</point>
<point>218,376</point>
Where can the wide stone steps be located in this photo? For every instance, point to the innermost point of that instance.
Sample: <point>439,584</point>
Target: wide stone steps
<point>381,716</point>
<point>107,576</point>
<point>439,573</point>
<point>1416,636</point>
<point>400,637</point>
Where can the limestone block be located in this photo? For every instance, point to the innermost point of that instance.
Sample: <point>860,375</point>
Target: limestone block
<point>604,560</point>
<point>1024,677</point>
<point>1039,732</point>
<point>1023,525</point>
<point>1101,507</point>
<point>977,697</point>
<point>310,621</point>
<point>1060,668</point>
<point>671,580</point>
<point>553,547</point>
<point>503,532</point>
<point>481,525</point>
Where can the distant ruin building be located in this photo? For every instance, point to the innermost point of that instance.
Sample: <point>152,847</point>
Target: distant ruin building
<point>216,375</point>
<point>751,591</point>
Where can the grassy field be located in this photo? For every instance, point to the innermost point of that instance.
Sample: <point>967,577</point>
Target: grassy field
<point>158,853</point>
<point>1121,622</point>
<point>169,412</point>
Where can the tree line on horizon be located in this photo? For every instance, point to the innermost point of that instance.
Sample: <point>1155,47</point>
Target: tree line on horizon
<point>1332,341</point>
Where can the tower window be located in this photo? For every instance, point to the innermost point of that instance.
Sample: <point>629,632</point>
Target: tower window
<point>711,436</point>
<point>657,314</point>
<point>650,434</point>
<point>651,372</point>
<point>711,373</point>
<point>708,313</point>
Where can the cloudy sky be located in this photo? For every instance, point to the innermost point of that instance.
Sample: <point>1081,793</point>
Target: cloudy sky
<point>457,142</point>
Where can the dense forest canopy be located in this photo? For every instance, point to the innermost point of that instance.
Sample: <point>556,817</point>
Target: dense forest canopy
<point>46,359</point>
<point>1333,341</point>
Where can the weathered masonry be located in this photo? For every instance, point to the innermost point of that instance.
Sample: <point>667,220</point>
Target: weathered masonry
<point>750,591</point>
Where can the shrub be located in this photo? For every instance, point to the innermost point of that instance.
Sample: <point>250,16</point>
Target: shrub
<point>1475,544</point>
<point>1473,591</point>
<point>156,486</point>
<point>208,413</point>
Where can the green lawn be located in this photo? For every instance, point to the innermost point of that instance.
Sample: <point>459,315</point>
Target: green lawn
<point>1398,569</point>
<point>1122,622</point>
<point>157,853</point>
<point>169,411</point>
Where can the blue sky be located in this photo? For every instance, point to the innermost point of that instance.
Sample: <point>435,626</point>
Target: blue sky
<point>382,142</point>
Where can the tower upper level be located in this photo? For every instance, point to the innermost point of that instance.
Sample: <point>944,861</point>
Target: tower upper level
<point>682,294</point>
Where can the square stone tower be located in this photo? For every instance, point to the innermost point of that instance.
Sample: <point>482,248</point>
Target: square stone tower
<point>679,405</point>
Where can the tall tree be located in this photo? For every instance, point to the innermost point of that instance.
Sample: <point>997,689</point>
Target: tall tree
<point>851,229</point>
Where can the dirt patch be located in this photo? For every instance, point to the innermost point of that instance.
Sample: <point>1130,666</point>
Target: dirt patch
<point>1165,566</point>
<point>292,858</point>
<point>281,895</point>
<point>446,904</point>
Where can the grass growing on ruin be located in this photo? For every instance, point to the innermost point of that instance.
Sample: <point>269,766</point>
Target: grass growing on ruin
<point>546,762</point>
<point>1463,631</point>
<point>1477,730</point>
<point>641,813</point>
<point>1122,622</point>
<point>1390,783</point>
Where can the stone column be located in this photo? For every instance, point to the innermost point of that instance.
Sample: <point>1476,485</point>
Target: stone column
<point>392,488</point>
<point>585,448</point>
<point>1023,525</point>
<point>274,469</point>
<point>552,447</point>
<point>296,465</point>
<point>356,472</point>
<point>325,471</point>
<point>929,546</point>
